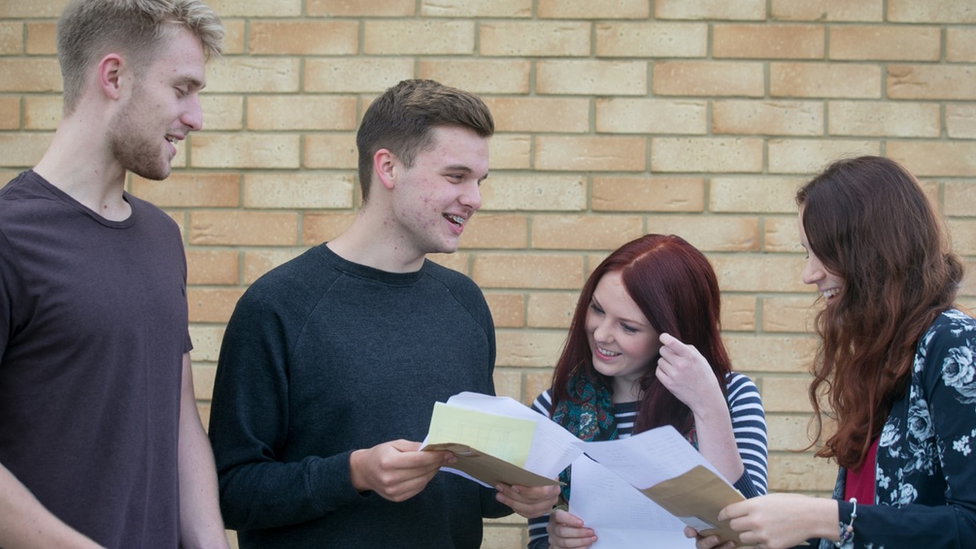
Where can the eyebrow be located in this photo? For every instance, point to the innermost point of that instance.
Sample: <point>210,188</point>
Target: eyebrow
<point>465,169</point>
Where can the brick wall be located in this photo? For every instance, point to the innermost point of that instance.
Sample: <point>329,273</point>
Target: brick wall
<point>615,118</point>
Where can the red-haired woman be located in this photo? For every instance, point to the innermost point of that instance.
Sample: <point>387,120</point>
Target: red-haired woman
<point>896,369</point>
<point>643,351</point>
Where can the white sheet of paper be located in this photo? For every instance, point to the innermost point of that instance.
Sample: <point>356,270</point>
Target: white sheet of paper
<point>648,458</point>
<point>621,517</point>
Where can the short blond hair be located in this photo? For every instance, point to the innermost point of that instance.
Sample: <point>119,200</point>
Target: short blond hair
<point>88,29</point>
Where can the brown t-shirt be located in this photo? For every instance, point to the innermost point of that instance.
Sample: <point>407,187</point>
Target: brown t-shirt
<point>93,327</point>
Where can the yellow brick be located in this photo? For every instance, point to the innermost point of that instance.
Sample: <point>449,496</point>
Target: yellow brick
<point>253,75</point>
<point>257,263</point>
<point>969,283</point>
<point>790,314</point>
<point>10,113</point>
<point>34,74</point>
<point>203,380</point>
<point>539,114</point>
<point>591,77</point>
<point>738,313</point>
<point>336,151</point>
<point>24,149</point>
<point>360,8</point>
<point>643,194</point>
<point>510,152</point>
<point>788,432</point>
<point>42,38</point>
<point>758,273</point>
<point>251,150</point>
<point>476,8</point>
<point>301,112</point>
<point>827,10</point>
<point>503,537</point>
<point>21,9</point>
<point>753,194</point>
<point>212,304</point>
<point>344,75</point>
<point>935,158</point>
<point>187,189</point>
<point>593,9</point>
<point>960,198</point>
<point>768,41</point>
<point>651,39</point>
<point>234,33</point>
<point>206,342</point>
<point>257,8</point>
<point>963,233</point>
<point>706,154</point>
<point>496,231</point>
<point>781,234</point>
<point>243,228</point>
<point>455,261</point>
<point>786,394</point>
<point>305,190</point>
<point>741,10</point>
<point>507,76</point>
<point>528,348</point>
<point>657,116</point>
<point>961,45</point>
<point>709,78</point>
<point>551,309</point>
<point>11,37</point>
<point>418,37</point>
<point>589,153</point>
<point>322,227</point>
<point>584,232</point>
<point>887,119</point>
<point>536,383</point>
<point>953,12</point>
<point>222,112</point>
<point>733,116</point>
<point>801,472</point>
<point>507,309</point>
<point>543,271</point>
<point>534,38</point>
<point>535,192</point>
<point>508,382</point>
<point>710,233</point>
<point>765,353</point>
<point>303,38</point>
<point>885,43</point>
<point>211,267</point>
<point>931,82</point>
<point>809,156</point>
<point>853,80</point>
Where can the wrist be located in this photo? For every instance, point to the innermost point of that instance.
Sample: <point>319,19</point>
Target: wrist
<point>355,471</point>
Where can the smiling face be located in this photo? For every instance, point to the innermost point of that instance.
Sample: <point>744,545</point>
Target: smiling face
<point>623,343</point>
<point>162,108</point>
<point>828,284</point>
<point>435,197</point>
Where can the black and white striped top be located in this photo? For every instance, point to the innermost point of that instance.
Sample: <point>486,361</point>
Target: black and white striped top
<point>748,427</point>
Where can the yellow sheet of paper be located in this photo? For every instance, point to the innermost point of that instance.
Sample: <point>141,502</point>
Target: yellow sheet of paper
<point>505,438</point>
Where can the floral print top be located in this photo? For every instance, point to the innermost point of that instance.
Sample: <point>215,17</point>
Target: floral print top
<point>925,477</point>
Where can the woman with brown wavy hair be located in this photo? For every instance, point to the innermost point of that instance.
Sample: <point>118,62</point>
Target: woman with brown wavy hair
<point>895,370</point>
<point>644,350</point>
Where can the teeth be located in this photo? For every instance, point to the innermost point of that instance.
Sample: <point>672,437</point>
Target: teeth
<point>171,140</point>
<point>831,293</point>
<point>454,219</point>
<point>606,352</point>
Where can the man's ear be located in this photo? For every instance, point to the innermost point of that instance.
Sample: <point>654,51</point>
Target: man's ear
<point>386,166</point>
<point>110,75</point>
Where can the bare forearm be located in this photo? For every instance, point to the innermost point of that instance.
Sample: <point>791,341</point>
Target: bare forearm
<point>716,442</point>
<point>26,524</point>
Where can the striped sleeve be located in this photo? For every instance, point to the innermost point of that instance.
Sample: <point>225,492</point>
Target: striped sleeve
<point>749,429</point>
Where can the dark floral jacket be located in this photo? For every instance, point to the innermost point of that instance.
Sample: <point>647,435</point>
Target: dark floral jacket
<point>925,475</point>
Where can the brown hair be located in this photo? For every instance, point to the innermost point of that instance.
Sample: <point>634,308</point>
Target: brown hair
<point>675,287</point>
<point>869,222</point>
<point>89,29</point>
<point>402,119</point>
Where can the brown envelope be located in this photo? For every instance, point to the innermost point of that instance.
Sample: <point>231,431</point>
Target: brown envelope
<point>698,493</point>
<point>489,469</point>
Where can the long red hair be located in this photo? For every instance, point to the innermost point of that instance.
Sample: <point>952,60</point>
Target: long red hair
<point>677,291</point>
<point>870,224</point>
